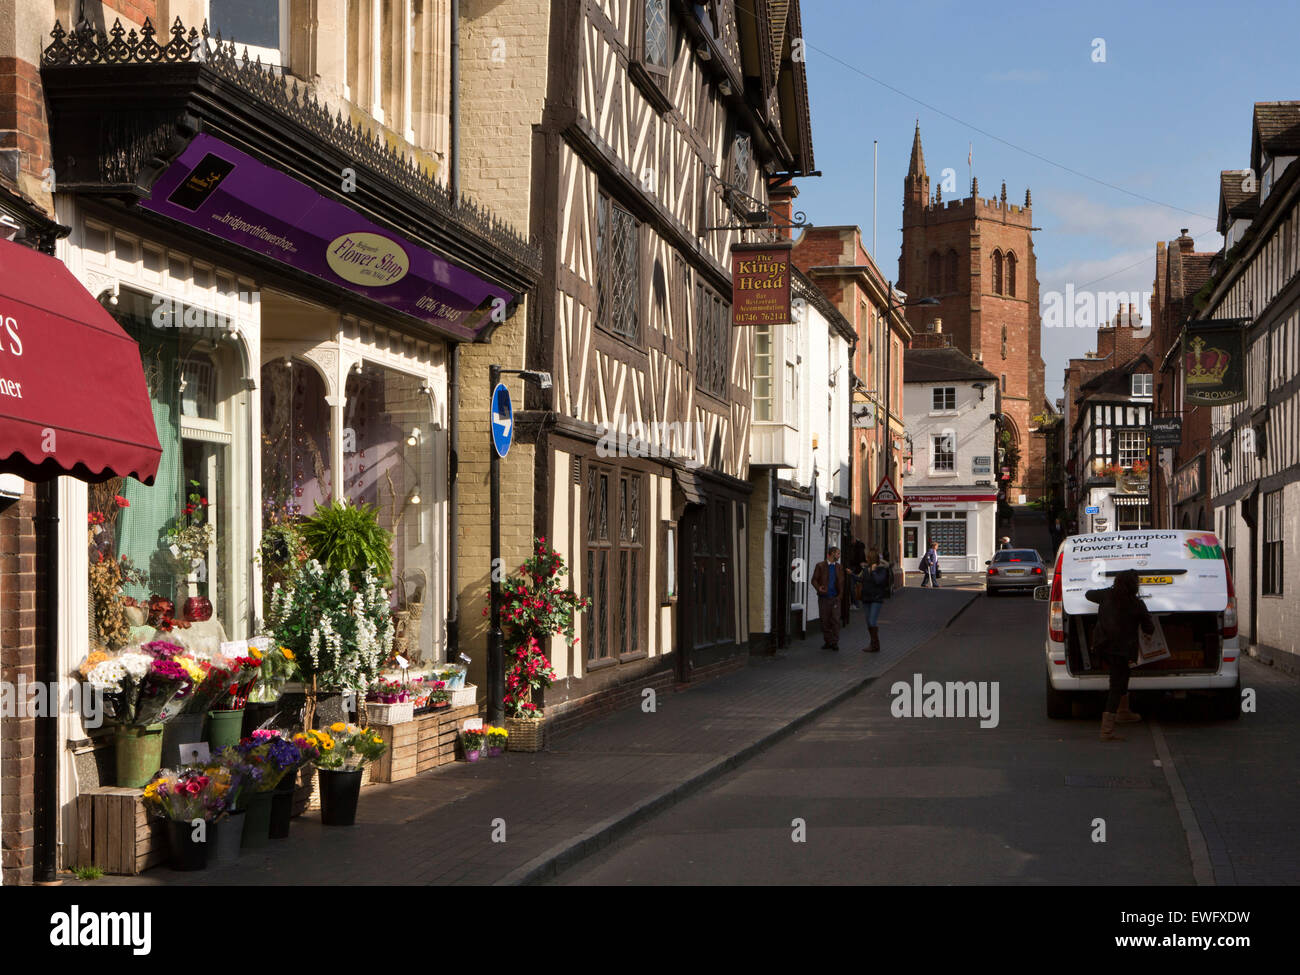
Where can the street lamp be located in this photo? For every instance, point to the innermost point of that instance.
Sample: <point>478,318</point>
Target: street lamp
<point>496,675</point>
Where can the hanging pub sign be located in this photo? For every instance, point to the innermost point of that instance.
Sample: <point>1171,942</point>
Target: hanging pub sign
<point>1214,362</point>
<point>760,284</point>
<point>1166,431</point>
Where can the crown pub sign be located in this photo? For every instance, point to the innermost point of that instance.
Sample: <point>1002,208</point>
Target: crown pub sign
<point>1214,362</point>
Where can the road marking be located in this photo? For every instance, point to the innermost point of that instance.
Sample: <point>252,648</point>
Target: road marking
<point>1202,871</point>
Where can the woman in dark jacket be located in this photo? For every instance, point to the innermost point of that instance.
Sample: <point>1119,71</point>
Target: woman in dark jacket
<point>1120,614</point>
<point>877,586</point>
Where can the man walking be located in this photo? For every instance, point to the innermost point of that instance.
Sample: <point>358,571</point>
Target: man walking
<point>930,566</point>
<point>832,586</point>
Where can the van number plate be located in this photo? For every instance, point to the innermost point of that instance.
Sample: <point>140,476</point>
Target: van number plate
<point>1156,580</point>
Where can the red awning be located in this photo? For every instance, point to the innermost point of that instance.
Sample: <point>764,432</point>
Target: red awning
<point>73,398</point>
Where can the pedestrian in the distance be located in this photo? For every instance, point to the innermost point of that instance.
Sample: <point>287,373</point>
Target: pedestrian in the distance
<point>1120,614</point>
<point>930,566</point>
<point>856,564</point>
<point>1004,543</point>
<point>832,586</point>
<point>877,586</point>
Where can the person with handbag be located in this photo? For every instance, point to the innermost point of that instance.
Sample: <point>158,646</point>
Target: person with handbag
<point>1120,615</point>
<point>930,566</point>
<point>877,586</point>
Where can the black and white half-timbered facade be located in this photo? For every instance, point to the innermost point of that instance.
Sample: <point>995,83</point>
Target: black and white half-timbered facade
<point>1254,459</point>
<point>1110,448</point>
<point>657,113</point>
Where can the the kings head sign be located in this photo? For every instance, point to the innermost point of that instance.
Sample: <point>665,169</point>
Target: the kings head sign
<point>760,284</point>
<point>1214,354</point>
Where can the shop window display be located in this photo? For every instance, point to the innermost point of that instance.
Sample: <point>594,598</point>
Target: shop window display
<point>296,474</point>
<point>388,463</point>
<point>159,555</point>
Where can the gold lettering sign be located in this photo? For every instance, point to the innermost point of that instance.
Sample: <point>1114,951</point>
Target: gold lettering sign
<point>760,284</point>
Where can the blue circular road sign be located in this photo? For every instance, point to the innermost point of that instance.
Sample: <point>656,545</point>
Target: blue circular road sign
<point>503,420</point>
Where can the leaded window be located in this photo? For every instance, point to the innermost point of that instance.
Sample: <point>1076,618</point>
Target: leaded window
<point>712,340</point>
<point>618,269</point>
<point>656,32</point>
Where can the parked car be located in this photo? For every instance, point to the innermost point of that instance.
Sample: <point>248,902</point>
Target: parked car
<point>1187,587</point>
<point>1015,569</point>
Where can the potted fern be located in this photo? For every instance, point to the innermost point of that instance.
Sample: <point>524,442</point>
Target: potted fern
<point>348,538</point>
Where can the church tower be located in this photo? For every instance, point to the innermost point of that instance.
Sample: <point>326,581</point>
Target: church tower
<point>977,257</point>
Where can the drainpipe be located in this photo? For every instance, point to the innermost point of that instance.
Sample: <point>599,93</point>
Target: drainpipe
<point>453,108</point>
<point>46,784</point>
<point>453,368</point>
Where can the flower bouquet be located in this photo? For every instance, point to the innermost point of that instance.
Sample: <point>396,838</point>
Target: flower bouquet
<point>496,740</point>
<point>279,665</point>
<point>344,751</point>
<point>136,687</point>
<point>472,740</point>
<point>189,800</point>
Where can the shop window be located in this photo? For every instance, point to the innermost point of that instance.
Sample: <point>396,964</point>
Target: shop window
<point>948,529</point>
<point>296,474</point>
<point>175,535</point>
<point>1272,569</point>
<point>388,463</point>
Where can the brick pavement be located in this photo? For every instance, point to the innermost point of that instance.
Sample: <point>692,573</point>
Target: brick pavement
<point>590,785</point>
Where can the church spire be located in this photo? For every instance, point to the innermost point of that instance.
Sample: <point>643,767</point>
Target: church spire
<point>916,185</point>
<point>916,168</point>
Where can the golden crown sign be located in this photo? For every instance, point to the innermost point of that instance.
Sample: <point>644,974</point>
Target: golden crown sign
<point>1206,366</point>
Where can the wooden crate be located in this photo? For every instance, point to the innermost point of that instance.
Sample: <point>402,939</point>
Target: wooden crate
<point>116,834</point>
<point>398,761</point>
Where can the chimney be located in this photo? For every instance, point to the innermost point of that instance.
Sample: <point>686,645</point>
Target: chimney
<point>780,199</point>
<point>1185,242</point>
<point>936,325</point>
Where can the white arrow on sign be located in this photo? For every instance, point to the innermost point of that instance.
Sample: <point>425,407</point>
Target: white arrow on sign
<point>504,422</point>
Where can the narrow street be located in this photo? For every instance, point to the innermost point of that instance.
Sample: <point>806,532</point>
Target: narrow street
<point>890,800</point>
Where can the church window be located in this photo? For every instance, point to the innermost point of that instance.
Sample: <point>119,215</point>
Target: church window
<point>950,271</point>
<point>934,272</point>
<point>1011,275</point>
<point>997,272</point>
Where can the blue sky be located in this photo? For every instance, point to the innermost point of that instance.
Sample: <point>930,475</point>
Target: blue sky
<point>1168,108</point>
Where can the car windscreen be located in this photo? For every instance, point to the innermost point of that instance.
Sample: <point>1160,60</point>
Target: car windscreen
<point>1017,555</point>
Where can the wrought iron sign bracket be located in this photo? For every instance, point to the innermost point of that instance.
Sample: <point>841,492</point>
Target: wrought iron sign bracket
<point>756,213</point>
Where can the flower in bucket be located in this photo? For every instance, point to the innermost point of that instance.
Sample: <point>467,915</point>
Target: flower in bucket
<point>472,738</point>
<point>348,747</point>
<point>272,755</point>
<point>496,737</point>
<point>188,794</point>
<point>137,689</point>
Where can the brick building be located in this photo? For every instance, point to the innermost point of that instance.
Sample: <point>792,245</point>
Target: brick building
<point>976,256</point>
<point>1180,492</point>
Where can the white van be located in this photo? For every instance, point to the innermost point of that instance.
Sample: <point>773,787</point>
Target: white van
<point>1184,582</point>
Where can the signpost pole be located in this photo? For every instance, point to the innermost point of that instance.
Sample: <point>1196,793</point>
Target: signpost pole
<point>496,680</point>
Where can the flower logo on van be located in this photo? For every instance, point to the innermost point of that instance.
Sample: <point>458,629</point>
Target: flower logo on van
<point>1203,547</point>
